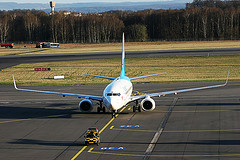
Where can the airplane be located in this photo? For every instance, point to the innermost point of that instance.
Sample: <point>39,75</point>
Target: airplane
<point>119,93</point>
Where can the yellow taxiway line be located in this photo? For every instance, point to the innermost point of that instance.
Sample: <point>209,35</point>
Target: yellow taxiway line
<point>99,133</point>
<point>79,152</point>
<point>27,119</point>
<point>18,120</point>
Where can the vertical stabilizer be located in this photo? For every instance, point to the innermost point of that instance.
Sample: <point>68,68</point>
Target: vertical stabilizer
<point>123,59</point>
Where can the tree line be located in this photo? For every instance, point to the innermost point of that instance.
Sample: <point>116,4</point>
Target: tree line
<point>200,20</point>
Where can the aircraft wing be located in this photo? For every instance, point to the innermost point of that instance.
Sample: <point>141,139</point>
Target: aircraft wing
<point>97,98</point>
<point>133,98</point>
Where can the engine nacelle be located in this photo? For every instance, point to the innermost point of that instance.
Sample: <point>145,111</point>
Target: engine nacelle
<point>147,104</point>
<point>86,105</point>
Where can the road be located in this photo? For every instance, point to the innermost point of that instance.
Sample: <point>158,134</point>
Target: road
<point>12,60</point>
<point>194,125</point>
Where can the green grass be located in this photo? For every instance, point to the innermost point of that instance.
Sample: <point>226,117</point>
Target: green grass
<point>26,49</point>
<point>179,69</point>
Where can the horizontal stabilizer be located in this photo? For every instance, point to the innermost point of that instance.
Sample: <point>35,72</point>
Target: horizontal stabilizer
<point>112,78</point>
<point>147,76</point>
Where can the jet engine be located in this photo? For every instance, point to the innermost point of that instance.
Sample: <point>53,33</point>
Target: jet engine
<point>147,104</point>
<point>86,105</point>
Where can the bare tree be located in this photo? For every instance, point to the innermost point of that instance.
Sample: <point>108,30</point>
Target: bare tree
<point>31,23</point>
<point>4,27</point>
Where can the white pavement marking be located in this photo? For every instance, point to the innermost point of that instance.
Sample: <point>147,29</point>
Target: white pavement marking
<point>159,132</point>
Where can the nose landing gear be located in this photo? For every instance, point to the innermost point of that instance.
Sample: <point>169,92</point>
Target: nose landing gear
<point>114,114</point>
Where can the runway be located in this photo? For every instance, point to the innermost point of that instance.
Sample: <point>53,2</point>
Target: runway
<point>12,60</point>
<point>195,125</point>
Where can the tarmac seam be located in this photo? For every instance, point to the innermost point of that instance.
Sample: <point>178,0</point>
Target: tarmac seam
<point>188,134</point>
<point>159,131</point>
<point>168,156</point>
<point>177,131</point>
<point>27,119</point>
<point>68,147</point>
<point>76,155</point>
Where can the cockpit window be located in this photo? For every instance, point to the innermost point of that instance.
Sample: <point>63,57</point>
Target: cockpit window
<point>113,94</point>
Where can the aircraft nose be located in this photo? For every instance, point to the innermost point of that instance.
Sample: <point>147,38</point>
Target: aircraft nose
<point>112,103</point>
<point>115,105</point>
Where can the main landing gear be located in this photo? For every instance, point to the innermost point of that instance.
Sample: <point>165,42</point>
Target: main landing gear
<point>137,107</point>
<point>101,108</point>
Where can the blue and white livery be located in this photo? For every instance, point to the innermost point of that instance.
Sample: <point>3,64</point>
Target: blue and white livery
<point>118,93</point>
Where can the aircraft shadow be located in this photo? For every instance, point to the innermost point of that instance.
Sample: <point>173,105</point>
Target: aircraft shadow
<point>66,143</point>
<point>12,112</point>
<point>46,143</point>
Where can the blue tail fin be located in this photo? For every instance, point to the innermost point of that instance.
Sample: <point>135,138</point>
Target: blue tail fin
<point>123,59</point>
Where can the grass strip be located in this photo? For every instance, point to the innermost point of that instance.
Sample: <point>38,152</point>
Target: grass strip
<point>179,69</point>
<point>26,49</point>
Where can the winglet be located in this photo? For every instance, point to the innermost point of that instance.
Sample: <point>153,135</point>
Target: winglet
<point>14,82</point>
<point>227,78</point>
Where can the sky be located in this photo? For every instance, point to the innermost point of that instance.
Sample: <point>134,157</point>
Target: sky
<point>83,1</point>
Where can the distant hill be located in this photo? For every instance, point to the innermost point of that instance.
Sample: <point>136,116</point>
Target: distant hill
<point>95,7</point>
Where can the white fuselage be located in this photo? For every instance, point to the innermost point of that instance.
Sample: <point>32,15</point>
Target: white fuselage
<point>117,94</point>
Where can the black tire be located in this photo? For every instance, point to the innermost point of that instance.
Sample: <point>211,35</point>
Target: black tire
<point>113,114</point>
<point>139,109</point>
<point>98,109</point>
<point>134,109</point>
<point>104,110</point>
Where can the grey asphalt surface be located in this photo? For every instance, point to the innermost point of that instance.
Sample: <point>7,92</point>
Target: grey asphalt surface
<point>202,125</point>
<point>12,60</point>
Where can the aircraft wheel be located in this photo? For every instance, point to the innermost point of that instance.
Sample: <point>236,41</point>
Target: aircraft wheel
<point>134,109</point>
<point>113,114</point>
<point>139,108</point>
<point>104,109</point>
<point>98,109</point>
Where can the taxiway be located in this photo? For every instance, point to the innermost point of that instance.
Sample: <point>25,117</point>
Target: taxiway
<point>194,125</point>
